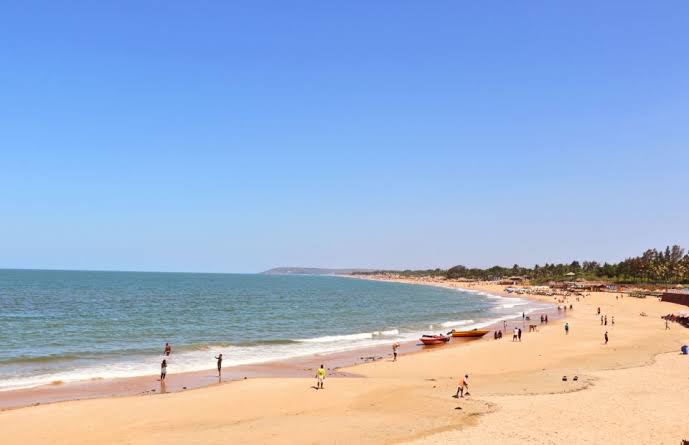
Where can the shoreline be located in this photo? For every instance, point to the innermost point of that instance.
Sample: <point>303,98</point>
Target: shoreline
<point>293,367</point>
<point>632,390</point>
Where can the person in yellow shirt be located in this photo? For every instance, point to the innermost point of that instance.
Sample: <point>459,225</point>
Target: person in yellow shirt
<point>320,376</point>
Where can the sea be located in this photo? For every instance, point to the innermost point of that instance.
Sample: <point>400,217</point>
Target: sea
<point>81,325</point>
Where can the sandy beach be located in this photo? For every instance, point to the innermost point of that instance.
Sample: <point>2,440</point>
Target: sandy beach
<point>355,223</point>
<point>631,390</point>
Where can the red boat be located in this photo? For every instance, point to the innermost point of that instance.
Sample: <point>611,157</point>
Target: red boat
<point>434,339</point>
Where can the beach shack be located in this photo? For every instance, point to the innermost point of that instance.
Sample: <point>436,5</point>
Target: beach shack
<point>591,286</point>
<point>560,285</point>
<point>513,281</point>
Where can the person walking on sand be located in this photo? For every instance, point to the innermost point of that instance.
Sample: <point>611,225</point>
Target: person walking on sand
<point>606,320</point>
<point>612,320</point>
<point>320,376</point>
<point>546,318</point>
<point>601,320</point>
<point>606,337</point>
<point>463,386</point>
<point>168,349</point>
<point>163,370</point>
<point>598,313</point>
<point>519,335</point>
<point>395,347</point>
<point>515,333</point>
<point>566,328</point>
<point>219,359</point>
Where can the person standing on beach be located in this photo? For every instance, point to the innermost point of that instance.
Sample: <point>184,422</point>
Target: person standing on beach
<point>546,318</point>
<point>219,359</point>
<point>320,376</point>
<point>463,386</point>
<point>612,321</point>
<point>168,349</point>
<point>566,328</point>
<point>606,320</point>
<point>601,320</point>
<point>606,337</point>
<point>163,370</point>
<point>519,334</point>
<point>515,333</point>
<point>395,347</point>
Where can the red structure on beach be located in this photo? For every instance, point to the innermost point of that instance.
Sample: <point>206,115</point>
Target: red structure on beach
<point>676,297</point>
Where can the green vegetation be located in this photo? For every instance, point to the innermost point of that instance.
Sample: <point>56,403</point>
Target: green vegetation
<point>670,266</point>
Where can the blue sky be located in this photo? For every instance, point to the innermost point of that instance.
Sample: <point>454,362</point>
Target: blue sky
<point>211,136</point>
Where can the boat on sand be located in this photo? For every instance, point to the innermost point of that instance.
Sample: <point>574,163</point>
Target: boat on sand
<point>471,333</point>
<point>434,339</point>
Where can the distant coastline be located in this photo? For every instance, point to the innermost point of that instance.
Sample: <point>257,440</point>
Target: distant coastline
<point>313,271</point>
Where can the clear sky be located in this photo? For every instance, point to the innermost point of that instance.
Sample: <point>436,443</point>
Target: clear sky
<point>219,136</point>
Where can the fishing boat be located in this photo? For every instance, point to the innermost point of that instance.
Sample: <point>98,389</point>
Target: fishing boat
<point>471,333</point>
<point>434,339</point>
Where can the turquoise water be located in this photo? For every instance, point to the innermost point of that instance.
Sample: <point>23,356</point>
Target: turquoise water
<point>72,325</point>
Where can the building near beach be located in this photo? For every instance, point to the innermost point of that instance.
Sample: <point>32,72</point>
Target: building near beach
<point>513,281</point>
<point>591,286</point>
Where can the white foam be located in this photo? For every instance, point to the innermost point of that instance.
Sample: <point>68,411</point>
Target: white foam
<point>479,292</point>
<point>386,333</point>
<point>337,338</point>
<point>511,305</point>
<point>451,324</point>
<point>201,360</point>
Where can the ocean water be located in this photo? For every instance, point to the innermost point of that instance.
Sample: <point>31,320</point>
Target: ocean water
<point>73,325</point>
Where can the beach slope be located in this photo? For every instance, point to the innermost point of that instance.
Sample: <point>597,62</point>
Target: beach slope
<point>631,390</point>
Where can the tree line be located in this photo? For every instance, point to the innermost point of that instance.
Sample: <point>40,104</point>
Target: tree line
<point>669,266</point>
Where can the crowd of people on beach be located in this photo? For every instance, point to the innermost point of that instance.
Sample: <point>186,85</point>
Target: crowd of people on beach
<point>681,319</point>
<point>462,389</point>
<point>517,332</point>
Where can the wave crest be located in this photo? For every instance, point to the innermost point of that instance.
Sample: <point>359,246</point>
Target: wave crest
<point>452,324</point>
